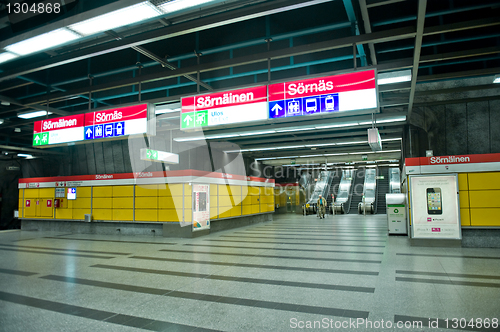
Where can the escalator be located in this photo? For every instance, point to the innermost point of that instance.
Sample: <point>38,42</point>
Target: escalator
<point>382,189</point>
<point>357,192</point>
<point>334,187</point>
<point>342,199</point>
<point>322,188</point>
<point>369,191</point>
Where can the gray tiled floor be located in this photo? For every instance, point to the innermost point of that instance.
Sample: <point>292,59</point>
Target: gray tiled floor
<point>300,270</point>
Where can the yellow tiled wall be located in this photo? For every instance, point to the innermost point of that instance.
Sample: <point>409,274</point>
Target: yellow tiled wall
<point>484,198</point>
<point>162,203</point>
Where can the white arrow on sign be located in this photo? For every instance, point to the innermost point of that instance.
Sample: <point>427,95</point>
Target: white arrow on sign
<point>188,119</point>
<point>276,109</point>
<point>37,138</point>
<point>88,132</point>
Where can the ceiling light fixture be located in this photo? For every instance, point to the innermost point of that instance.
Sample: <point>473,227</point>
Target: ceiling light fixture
<point>294,129</point>
<point>338,125</point>
<point>258,133</point>
<point>6,56</point>
<point>1,121</point>
<point>394,77</point>
<point>42,42</point>
<point>497,79</point>
<point>177,5</point>
<point>28,156</point>
<point>116,19</point>
<point>30,115</point>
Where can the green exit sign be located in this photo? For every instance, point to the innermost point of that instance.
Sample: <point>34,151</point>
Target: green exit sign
<point>159,156</point>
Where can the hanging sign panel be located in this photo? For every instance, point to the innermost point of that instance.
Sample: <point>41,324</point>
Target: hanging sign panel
<point>201,207</point>
<point>435,210</point>
<point>100,125</point>
<point>223,108</point>
<point>339,93</point>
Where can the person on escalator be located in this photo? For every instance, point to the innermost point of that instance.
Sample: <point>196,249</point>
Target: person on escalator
<point>321,203</point>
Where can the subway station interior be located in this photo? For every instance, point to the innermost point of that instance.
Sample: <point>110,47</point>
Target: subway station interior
<point>249,165</point>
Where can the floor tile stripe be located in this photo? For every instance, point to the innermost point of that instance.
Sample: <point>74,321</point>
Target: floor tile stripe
<point>427,322</point>
<point>70,250</point>
<point>240,279</point>
<point>297,238</point>
<point>212,298</point>
<point>99,315</point>
<point>273,267</point>
<point>56,253</point>
<point>442,274</point>
<point>17,272</point>
<point>298,243</point>
<point>320,233</point>
<point>449,282</point>
<point>449,256</point>
<point>287,249</point>
<point>278,257</point>
<point>97,240</point>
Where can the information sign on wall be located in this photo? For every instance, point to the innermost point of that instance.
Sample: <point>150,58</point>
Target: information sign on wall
<point>106,124</point>
<point>201,207</point>
<point>160,156</point>
<point>339,93</point>
<point>222,108</point>
<point>435,210</point>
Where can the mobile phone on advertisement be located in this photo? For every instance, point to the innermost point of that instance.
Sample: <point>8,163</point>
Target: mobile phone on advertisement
<point>434,201</point>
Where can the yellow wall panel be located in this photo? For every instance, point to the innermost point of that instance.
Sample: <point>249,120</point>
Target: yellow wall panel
<point>484,181</point>
<point>247,200</point>
<point>147,190</point>
<point>464,199</point>
<point>105,191</point>
<point>31,193</point>
<point>81,203</point>
<point>102,203</point>
<point>102,214</point>
<point>20,207</point>
<point>463,182</point>
<point>146,215</point>
<point>170,190</point>
<point>46,192</point>
<point>21,192</point>
<point>225,214</point>
<point>270,207</point>
<point>236,211</point>
<point>223,190</point>
<point>225,201</point>
<point>80,213</point>
<point>255,209</point>
<point>484,217</point>
<point>484,198</point>
<point>268,191</point>
<point>83,192</point>
<point>244,191</point>
<point>170,202</point>
<point>253,191</point>
<point>235,190</point>
<point>188,189</point>
<point>168,215</point>
<point>146,203</point>
<point>188,215</point>
<point>64,214</point>
<point>123,202</point>
<point>213,213</point>
<point>247,210</point>
<point>188,201</point>
<point>465,217</point>
<point>255,200</point>
<point>213,190</point>
<point>123,214</point>
<point>213,200</point>
<point>123,191</point>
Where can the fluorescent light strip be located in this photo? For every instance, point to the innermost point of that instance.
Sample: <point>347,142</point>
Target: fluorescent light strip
<point>43,42</point>
<point>29,156</point>
<point>257,133</point>
<point>221,136</point>
<point>31,115</point>
<point>6,56</point>
<point>177,5</point>
<point>394,77</point>
<point>497,79</point>
<point>349,143</point>
<point>295,129</point>
<point>325,144</point>
<point>189,139</point>
<point>118,18</point>
<point>390,139</point>
<point>164,111</point>
<point>337,125</point>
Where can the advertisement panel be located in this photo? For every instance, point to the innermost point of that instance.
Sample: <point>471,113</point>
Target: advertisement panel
<point>339,93</point>
<point>201,207</point>
<point>105,124</point>
<point>222,108</point>
<point>435,209</point>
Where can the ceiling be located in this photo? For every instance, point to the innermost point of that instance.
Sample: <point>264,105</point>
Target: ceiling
<point>231,44</point>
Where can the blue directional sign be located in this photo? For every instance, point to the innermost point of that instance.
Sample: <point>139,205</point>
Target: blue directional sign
<point>98,131</point>
<point>89,132</point>
<point>108,130</point>
<point>304,106</point>
<point>276,109</point>
<point>119,128</point>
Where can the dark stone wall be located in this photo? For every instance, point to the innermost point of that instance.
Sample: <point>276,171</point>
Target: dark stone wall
<point>454,129</point>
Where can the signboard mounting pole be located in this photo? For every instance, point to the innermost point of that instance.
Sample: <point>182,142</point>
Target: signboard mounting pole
<point>198,54</point>
<point>139,65</point>
<point>90,91</point>
<point>268,41</point>
<point>354,56</point>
